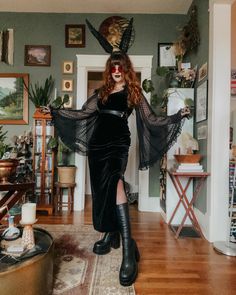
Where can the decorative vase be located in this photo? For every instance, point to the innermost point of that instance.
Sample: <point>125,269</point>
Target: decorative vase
<point>7,169</point>
<point>188,158</point>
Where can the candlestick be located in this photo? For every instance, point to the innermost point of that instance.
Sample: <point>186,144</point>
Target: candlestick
<point>28,241</point>
<point>28,213</point>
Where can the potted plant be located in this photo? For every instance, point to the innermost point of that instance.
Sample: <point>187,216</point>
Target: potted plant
<point>40,95</point>
<point>167,78</point>
<point>66,171</point>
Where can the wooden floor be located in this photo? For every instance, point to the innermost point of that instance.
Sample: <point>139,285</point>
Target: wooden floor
<point>187,266</point>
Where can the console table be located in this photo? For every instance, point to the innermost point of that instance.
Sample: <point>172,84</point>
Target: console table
<point>14,192</point>
<point>183,199</point>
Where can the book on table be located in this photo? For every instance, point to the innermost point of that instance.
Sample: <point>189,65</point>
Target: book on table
<point>190,167</point>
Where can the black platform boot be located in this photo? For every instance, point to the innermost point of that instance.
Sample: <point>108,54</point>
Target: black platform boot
<point>104,245</point>
<point>129,266</point>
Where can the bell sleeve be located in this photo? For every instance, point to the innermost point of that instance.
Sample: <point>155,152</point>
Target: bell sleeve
<point>75,127</point>
<point>156,134</point>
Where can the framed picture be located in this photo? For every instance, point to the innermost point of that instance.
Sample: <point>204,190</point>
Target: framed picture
<point>67,85</point>
<point>201,102</point>
<point>75,35</point>
<point>69,104</point>
<point>166,57</point>
<point>14,99</point>
<point>233,82</point>
<point>202,73</point>
<point>38,55</point>
<point>67,67</point>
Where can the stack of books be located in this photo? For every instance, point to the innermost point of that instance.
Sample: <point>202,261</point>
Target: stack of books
<point>190,167</point>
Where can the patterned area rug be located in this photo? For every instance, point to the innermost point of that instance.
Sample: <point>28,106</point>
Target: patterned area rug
<point>77,270</point>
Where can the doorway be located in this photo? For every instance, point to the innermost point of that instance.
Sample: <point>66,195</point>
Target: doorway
<point>95,64</point>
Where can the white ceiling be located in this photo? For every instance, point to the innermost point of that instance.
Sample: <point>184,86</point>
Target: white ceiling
<point>97,6</point>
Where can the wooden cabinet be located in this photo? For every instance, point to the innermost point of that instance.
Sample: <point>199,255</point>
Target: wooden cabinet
<point>43,161</point>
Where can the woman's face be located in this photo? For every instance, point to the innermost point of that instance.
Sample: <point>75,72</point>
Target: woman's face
<point>117,73</point>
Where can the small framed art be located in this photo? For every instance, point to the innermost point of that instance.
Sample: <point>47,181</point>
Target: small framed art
<point>201,102</point>
<point>166,57</point>
<point>202,73</point>
<point>67,67</point>
<point>69,104</point>
<point>75,35</point>
<point>38,55</point>
<point>67,85</point>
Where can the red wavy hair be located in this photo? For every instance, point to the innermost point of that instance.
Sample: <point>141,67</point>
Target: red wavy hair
<point>131,80</point>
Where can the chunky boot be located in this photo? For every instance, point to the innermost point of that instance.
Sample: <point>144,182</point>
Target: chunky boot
<point>104,245</point>
<point>129,266</point>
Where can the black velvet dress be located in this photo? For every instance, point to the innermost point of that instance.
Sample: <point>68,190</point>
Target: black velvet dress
<point>105,138</point>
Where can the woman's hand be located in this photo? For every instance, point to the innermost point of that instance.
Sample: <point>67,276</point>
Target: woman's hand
<point>185,112</point>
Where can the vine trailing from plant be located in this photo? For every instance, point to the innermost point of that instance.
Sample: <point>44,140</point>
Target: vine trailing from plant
<point>56,144</point>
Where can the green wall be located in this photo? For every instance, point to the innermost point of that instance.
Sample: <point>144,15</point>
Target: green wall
<point>49,29</point>
<point>200,57</point>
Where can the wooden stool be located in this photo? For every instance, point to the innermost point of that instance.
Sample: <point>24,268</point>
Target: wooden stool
<point>58,199</point>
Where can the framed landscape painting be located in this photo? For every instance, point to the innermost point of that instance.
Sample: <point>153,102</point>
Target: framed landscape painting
<point>14,99</point>
<point>38,55</point>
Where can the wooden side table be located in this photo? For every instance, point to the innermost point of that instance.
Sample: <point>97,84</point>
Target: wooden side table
<point>58,198</point>
<point>183,199</point>
<point>14,192</point>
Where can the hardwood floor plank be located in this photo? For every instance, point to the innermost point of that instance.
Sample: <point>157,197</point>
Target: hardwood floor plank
<point>187,266</point>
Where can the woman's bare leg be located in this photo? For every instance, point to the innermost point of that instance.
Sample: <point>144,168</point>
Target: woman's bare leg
<point>120,193</point>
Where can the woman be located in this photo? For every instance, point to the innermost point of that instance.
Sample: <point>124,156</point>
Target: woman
<point>100,130</point>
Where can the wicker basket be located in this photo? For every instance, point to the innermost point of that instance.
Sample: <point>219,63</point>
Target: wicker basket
<point>66,174</point>
<point>191,158</point>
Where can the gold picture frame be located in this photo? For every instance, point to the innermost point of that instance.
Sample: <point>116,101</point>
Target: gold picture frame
<point>14,106</point>
<point>67,85</point>
<point>67,67</point>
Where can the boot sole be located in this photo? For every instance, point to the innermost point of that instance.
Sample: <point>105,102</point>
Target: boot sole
<point>130,282</point>
<point>106,250</point>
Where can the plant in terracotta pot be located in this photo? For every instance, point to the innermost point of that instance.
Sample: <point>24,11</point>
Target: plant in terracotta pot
<point>40,95</point>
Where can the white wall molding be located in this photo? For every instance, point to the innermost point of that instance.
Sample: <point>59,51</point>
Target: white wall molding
<point>218,120</point>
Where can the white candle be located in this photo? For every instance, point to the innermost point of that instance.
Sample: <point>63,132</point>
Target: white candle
<point>55,93</point>
<point>28,213</point>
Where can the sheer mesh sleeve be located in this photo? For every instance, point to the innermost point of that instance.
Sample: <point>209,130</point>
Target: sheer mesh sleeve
<point>75,127</point>
<point>156,134</point>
